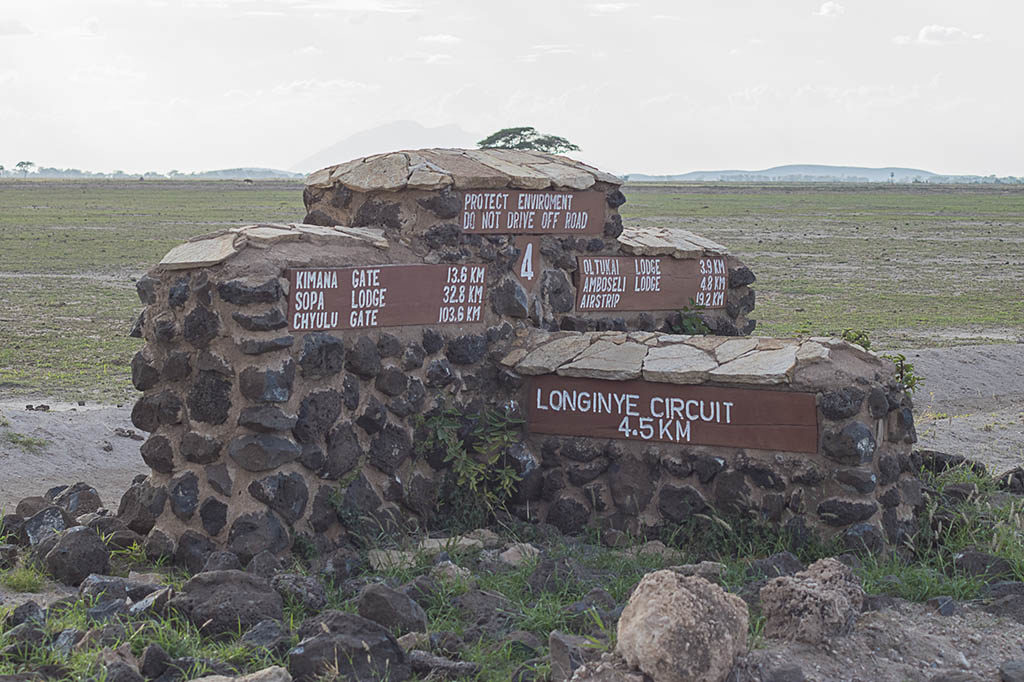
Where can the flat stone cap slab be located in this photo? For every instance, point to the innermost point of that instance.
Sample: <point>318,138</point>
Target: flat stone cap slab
<point>432,169</point>
<point>677,359</point>
<point>212,249</point>
<point>664,241</point>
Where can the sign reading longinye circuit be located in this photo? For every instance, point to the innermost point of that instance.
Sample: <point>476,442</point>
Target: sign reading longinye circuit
<point>650,282</point>
<point>671,413</point>
<point>523,212</point>
<point>385,296</point>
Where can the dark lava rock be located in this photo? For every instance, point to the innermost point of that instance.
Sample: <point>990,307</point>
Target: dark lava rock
<point>413,357</point>
<point>154,661</point>
<point>79,500</point>
<point>209,399</point>
<point>861,480</point>
<point>392,609</point>
<point>267,635</point>
<point>467,349</point>
<point>222,561</point>
<point>177,367</point>
<point>264,564</point>
<point>214,515</point>
<point>219,479</point>
<point>838,512</point>
<point>261,346</point>
<point>266,418</point>
<point>568,515</point>
<point>193,550</point>
<point>146,287</point>
<point>158,455</point>
<point>364,359</point>
<point>444,204</point>
<point>557,291</point>
<point>317,413</point>
<point>270,385</point>
<point>854,445</point>
<point>28,612</point>
<point>841,404</point>
<point>198,448</point>
<point>77,553</point>
<point>1012,671</point>
<point>439,373</point>
<point>390,448</point>
<point>680,503</point>
<point>982,565</point>
<point>183,494</point>
<point>783,563</point>
<point>433,341</point>
<point>300,589</point>
<point>140,506</point>
<point>349,646</point>
<point>322,356</point>
<point>145,375</point>
<point>373,418</point>
<point>43,524</point>
<point>201,326</point>
<point>374,213</point>
<point>178,294</point>
<point>252,533</point>
<point>242,293</point>
<point>863,537</point>
<point>508,299</point>
<point>262,452</point>
<point>264,322</point>
<point>224,602</point>
<point>284,493</point>
<point>391,381</point>
<point>152,411</point>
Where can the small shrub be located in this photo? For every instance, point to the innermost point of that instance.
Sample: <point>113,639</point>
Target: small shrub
<point>905,373</point>
<point>690,321</point>
<point>23,578</point>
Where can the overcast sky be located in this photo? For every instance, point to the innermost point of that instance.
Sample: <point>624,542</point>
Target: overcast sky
<point>652,86</point>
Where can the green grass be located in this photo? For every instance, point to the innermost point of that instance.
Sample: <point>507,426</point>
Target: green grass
<point>26,443</point>
<point>23,578</point>
<point>913,265</point>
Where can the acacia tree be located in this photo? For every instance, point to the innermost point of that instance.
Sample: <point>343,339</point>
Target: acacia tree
<point>527,137</point>
<point>24,167</point>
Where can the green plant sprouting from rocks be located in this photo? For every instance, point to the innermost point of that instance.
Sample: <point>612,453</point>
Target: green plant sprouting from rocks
<point>690,322</point>
<point>905,374</point>
<point>481,481</point>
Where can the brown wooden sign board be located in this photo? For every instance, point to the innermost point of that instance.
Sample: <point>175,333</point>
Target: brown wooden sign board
<point>385,296</point>
<point>650,282</point>
<point>523,212</point>
<point>672,413</point>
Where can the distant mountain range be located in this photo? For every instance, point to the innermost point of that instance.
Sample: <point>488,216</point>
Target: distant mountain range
<point>388,137</point>
<point>818,173</point>
<point>222,174</point>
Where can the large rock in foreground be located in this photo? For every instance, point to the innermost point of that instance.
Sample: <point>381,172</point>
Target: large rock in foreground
<point>812,605</point>
<point>682,629</point>
<point>228,602</point>
<point>338,645</point>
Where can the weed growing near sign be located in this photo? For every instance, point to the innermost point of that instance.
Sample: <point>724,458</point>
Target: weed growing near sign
<point>481,481</point>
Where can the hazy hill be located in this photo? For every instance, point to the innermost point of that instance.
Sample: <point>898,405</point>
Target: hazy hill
<point>797,173</point>
<point>386,138</point>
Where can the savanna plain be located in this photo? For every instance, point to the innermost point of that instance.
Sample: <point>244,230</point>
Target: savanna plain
<point>933,272</point>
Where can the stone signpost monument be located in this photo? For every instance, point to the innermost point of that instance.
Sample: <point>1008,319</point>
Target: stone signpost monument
<point>289,370</point>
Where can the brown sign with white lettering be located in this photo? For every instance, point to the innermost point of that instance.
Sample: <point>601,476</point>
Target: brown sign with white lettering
<point>650,282</point>
<point>672,413</point>
<point>522,212</point>
<point>385,296</point>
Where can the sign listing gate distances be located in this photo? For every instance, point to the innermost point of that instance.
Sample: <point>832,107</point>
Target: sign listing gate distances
<point>650,282</point>
<point>385,296</point>
<point>532,212</point>
<point>673,413</point>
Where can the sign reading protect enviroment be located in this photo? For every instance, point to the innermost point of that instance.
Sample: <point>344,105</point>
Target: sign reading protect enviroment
<point>672,413</point>
<point>385,296</point>
<point>650,282</point>
<point>522,212</point>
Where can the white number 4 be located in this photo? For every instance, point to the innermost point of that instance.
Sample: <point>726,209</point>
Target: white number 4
<point>526,269</point>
